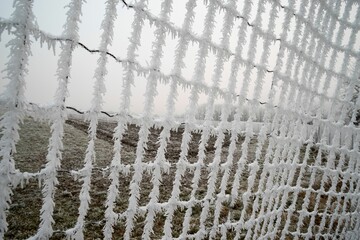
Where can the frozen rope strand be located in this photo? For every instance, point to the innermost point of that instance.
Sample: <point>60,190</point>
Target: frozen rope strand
<point>99,91</point>
<point>160,34</point>
<point>227,27</point>
<point>116,166</point>
<point>57,128</point>
<point>16,70</point>
<point>178,66</point>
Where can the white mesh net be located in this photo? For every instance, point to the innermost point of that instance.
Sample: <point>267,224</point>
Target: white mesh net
<point>284,168</point>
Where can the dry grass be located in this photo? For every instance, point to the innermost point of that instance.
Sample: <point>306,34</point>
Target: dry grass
<point>23,217</point>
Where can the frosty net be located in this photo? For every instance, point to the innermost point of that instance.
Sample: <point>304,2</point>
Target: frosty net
<point>301,180</point>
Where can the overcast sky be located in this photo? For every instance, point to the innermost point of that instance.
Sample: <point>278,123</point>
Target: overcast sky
<point>50,15</point>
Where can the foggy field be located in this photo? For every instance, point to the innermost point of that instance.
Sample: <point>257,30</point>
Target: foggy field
<point>23,217</point>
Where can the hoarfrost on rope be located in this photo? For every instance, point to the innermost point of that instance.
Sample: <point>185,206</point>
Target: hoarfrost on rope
<point>294,175</point>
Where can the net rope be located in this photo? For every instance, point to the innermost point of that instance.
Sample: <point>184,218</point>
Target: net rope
<point>271,195</point>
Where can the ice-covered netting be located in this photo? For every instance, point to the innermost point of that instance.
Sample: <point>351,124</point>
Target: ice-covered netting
<point>293,176</point>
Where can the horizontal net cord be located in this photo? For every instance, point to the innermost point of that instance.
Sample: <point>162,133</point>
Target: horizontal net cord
<point>46,113</point>
<point>314,30</point>
<point>325,6</point>
<point>205,88</point>
<point>213,46</point>
<point>166,78</point>
<point>175,31</point>
<point>266,35</point>
<point>24,177</point>
<point>230,225</point>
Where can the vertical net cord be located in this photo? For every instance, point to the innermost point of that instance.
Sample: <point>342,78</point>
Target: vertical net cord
<point>341,163</point>
<point>57,128</point>
<point>254,167</point>
<point>199,73</point>
<point>265,183</point>
<point>178,66</point>
<point>288,153</point>
<point>53,158</point>
<point>284,148</point>
<point>157,53</point>
<point>302,130</point>
<point>16,70</point>
<point>249,130</point>
<point>330,164</point>
<point>294,150</point>
<point>226,167</point>
<point>336,143</point>
<point>241,100</point>
<point>116,166</point>
<point>325,89</point>
<point>349,91</point>
<point>227,27</point>
<point>96,105</point>
<point>214,167</point>
<point>190,117</point>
